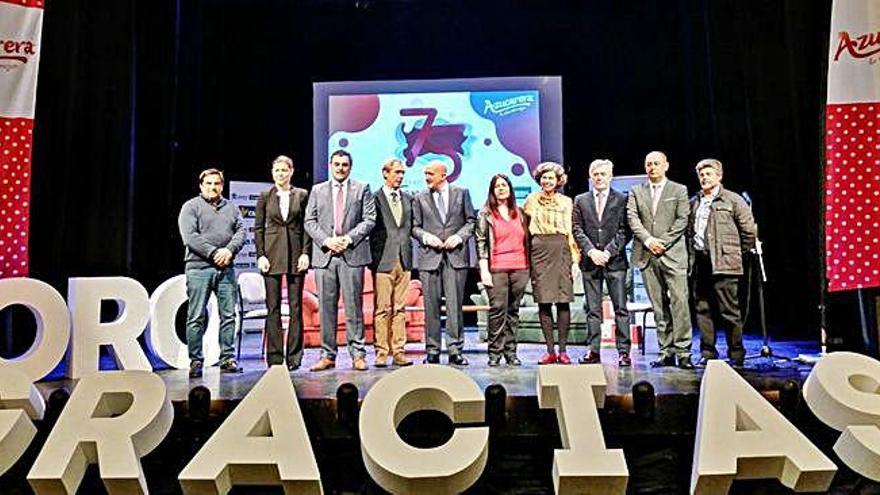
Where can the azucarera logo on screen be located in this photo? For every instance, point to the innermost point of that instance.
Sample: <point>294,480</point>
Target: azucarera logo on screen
<point>508,106</point>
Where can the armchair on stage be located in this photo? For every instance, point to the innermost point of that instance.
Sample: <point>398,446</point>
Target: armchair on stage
<point>530,327</point>
<point>415,314</point>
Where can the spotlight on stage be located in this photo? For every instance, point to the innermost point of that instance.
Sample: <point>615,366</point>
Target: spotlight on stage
<point>496,401</point>
<point>643,400</point>
<point>347,405</point>
<point>789,398</point>
<point>199,403</point>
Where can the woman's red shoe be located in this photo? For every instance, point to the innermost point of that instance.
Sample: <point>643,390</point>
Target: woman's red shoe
<point>563,358</point>
<point>548,358</point>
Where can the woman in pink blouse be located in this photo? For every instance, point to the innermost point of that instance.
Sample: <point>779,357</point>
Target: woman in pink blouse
<point>502,247</point>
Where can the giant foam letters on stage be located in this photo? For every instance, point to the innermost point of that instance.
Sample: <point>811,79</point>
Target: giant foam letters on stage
<point>741,436</point>
<point>113,418</point>
<point>401,468</point>
<point>120,335</point>
<point>842,391</point>
<point>162,339</point>
<point>584,465</point>
<point>19,398</point>
<point>263,441</point>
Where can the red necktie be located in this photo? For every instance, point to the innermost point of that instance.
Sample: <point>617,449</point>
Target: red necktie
<point>338,210</point>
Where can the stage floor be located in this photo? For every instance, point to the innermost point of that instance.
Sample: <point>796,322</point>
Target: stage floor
<point>517,381</point>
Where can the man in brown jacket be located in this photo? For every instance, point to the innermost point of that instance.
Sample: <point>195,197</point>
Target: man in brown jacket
<point>720,230</point>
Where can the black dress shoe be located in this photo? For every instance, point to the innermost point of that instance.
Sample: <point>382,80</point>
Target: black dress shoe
<point>512,360</point>
<point>663,361</point>
<point>195,369</point>
<point>292,367</point>
<point>458,360</point>
<point>685,363</point>
<point>591,358</point>
<point>737,364</point>
<point>432,359</point>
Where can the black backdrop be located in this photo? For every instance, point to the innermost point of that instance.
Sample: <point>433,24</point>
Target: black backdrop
<point>135,98</point>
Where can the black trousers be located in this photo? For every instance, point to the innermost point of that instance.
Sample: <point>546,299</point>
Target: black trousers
<point>274,343</point>
<point>446,281</point>
<point>616,282</point>
<point>504,299</point>
<point>716,304</point>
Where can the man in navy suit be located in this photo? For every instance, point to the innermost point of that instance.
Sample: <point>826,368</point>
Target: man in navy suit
<point>600,228</point>
<point>443,223</point>
<point>339,216</point>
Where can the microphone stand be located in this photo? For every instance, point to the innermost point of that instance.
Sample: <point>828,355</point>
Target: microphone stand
<point>766,351</point>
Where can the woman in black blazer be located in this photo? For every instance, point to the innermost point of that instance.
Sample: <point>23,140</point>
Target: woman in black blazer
<point>282,250</point>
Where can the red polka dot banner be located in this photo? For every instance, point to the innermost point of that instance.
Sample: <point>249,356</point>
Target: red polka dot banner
<point>16,136</point>
<point>852,147</point>
<point>852,195</point>
<point>20,30</point>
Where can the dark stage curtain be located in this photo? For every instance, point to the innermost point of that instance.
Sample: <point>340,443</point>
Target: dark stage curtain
<point>136,97</point>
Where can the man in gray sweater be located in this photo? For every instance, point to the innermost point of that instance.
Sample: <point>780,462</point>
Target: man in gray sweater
<point>213,233</point>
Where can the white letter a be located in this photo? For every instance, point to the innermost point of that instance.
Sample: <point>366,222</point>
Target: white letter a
<point>741,436</point>
<point>263,442</point>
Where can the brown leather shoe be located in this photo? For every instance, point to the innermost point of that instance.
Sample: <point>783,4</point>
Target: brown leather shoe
<point>381,361</point>
<point>323,364</point>
<point>399,360</point>
<point>359,364</point>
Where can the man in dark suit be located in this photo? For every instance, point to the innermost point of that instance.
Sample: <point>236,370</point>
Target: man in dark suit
<point>339,217</point>
<point>721,229</point>
<point>391,246</point>
<point>658,214</point>
<point>443,223</point>
<point>600,229</point>
<point>283,248</point>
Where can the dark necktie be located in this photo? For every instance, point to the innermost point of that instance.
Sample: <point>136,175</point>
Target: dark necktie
<point>396,207</point>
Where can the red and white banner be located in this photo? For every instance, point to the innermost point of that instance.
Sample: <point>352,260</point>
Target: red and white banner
<point>852,147</point>
<point>21,23</point>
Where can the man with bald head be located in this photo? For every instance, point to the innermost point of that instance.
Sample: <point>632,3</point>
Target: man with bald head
<point>658,212</point>
<point>443,223</point>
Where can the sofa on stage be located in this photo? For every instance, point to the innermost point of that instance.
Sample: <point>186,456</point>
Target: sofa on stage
<point>251,306</point>
<point>530,327</point>
<point>415,314</point>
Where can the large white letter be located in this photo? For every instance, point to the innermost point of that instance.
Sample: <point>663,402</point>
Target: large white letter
<point>53,325</point>
<point>843,391</point>
<point>742,436</point>
<point>584,465</point>
<point>263,442</point>
<point>84,296</point>
<point>19,398</point>
<point>401,468</point>
<point>113,418</point>
<point>20,402</point>
<point>162,339</point>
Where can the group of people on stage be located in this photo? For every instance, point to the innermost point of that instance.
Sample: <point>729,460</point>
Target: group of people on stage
<point>341,227</point>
